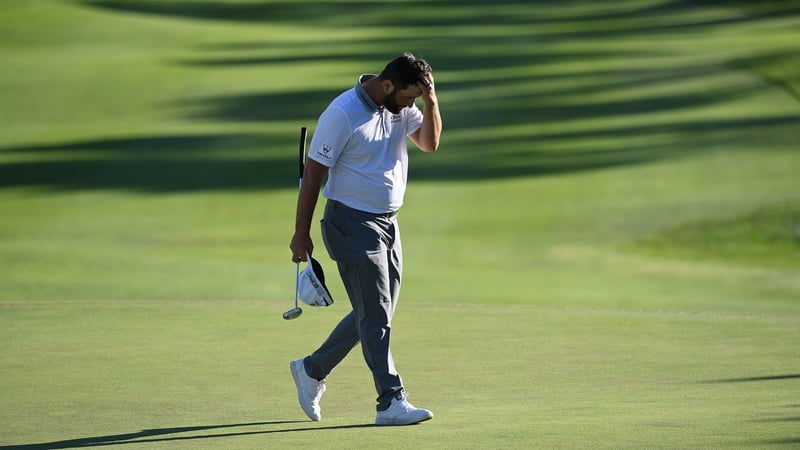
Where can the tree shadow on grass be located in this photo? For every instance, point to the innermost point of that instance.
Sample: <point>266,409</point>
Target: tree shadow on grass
<point>494,157</point>
<point>790,376</point>
<point>260,107</point>
<point>761,379</point>
<point>249,162</point>
<point>497,87</point>
<point>787,441</point>
<point>157,164</point>
<point>150,436</point>
<point>348,13</point>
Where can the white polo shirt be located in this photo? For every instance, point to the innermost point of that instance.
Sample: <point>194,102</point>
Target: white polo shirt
<point>365,149</point>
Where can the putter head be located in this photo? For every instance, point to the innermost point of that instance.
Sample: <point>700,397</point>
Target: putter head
<point>292,313</point>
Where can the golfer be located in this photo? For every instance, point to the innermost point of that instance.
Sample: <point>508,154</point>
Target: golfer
<point>360,142</point>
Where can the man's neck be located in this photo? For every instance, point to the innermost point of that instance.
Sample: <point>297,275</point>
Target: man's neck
<point>374,88</point>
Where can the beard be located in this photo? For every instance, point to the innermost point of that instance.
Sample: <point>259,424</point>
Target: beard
<point>390,102</point>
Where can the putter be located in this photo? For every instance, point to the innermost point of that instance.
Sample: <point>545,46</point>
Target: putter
<point>296,311</point>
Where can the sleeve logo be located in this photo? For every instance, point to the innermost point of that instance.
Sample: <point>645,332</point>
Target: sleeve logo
<point>325,152</point>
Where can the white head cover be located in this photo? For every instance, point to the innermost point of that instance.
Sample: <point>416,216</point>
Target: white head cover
<point>312,289</point>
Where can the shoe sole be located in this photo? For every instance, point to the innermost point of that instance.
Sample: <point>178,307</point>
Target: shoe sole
<point>397,424</point>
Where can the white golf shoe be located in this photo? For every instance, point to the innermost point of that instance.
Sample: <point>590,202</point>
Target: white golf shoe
<point>401,412</point>
<point>309,390</point>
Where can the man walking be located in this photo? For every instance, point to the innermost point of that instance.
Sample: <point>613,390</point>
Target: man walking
<point>360,142</point>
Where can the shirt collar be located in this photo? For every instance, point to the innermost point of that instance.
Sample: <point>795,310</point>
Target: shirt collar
<point>363,95</point>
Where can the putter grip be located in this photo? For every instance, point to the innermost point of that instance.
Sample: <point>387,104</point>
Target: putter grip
<point>301,160</point>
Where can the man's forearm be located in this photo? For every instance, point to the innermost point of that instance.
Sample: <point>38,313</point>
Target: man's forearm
<point>302,244</point>
<point>431,128</point>
<point>306,203</point>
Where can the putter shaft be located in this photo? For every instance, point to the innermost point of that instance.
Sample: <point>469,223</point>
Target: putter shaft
<point>296,311</point>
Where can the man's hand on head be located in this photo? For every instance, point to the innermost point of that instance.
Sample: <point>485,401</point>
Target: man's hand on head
<point>426,85</point>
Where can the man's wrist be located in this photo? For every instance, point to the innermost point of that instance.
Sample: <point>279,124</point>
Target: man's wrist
<point>430,103</point>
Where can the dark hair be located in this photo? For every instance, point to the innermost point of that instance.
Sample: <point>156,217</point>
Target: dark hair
<point>406,70</point>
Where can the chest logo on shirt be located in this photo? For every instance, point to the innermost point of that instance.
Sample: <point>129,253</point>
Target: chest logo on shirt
<point>396,118</point>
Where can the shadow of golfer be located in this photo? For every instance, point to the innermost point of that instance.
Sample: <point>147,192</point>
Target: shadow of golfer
<point>149,436</point>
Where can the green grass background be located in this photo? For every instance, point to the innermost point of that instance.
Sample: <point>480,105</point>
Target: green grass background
<point>604,253</point>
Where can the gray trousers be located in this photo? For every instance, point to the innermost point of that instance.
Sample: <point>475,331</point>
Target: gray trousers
<point>369,256</point>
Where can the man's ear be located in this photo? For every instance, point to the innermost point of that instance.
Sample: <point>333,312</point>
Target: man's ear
<point>388,86</point>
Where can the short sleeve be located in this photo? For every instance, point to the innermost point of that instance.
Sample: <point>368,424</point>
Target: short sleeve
<point>413,119</point>
<point>330,137</point>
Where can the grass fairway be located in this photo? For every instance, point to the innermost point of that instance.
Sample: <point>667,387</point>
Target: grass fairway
<point>214,375</point>
<point>605,253</point>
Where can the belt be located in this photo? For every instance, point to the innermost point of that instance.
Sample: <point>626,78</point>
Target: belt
<point>338,204</point>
